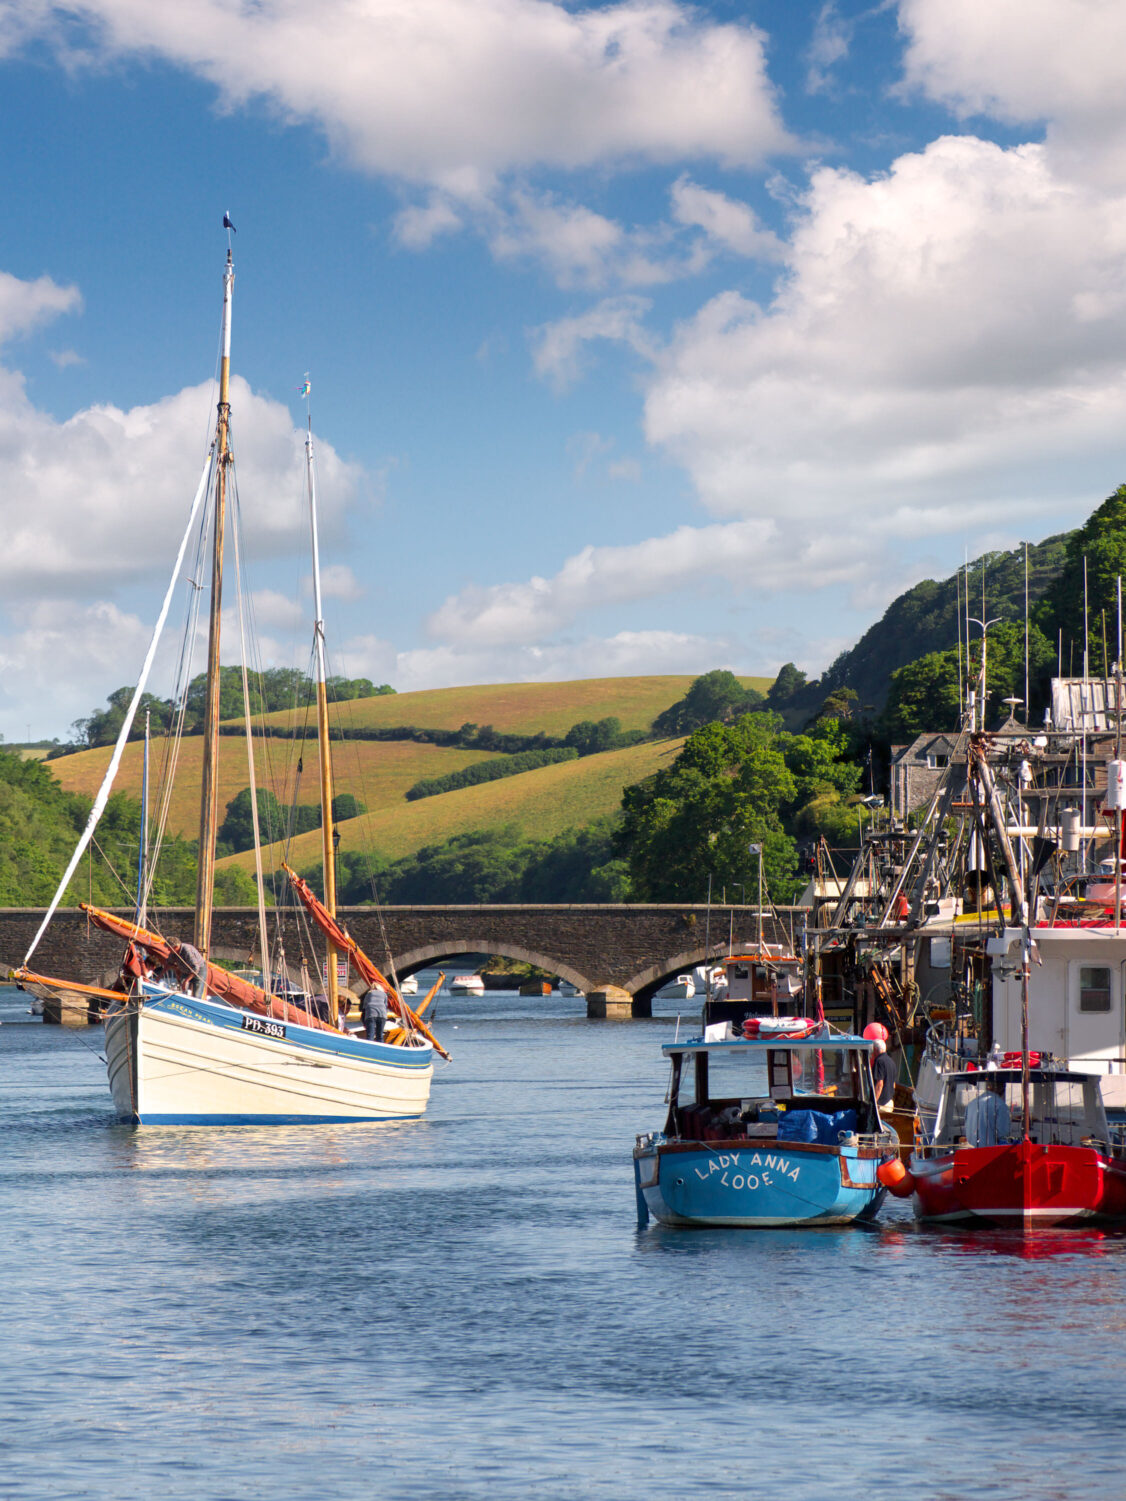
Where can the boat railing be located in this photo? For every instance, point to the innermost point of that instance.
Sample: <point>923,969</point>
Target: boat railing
<point>946,1053</point>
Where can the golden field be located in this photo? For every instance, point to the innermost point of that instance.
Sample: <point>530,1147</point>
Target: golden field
<point>541,803</point>
<point>520,708</point>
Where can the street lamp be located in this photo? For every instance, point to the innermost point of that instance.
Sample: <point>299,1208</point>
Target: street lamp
<point>985,624</point>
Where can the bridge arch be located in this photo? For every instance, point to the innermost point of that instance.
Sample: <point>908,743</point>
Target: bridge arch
<point>426,955</point>
<point>645,984</point>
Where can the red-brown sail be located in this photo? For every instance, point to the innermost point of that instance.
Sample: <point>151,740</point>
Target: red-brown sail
<point>228,987</point>
<point>342,939</point>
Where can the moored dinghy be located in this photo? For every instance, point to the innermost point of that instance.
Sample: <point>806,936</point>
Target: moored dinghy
<point>768,1132</point>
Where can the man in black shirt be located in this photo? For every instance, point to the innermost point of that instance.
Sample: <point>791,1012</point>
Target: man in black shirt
<point>884,1074</point>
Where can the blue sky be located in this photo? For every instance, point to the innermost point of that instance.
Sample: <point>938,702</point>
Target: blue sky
<point>643,337</point>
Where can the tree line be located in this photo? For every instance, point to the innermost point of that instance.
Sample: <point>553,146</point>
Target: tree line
<point>273,689</point>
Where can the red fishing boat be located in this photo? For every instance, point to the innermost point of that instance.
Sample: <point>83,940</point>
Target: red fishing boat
<point>1016,1148</point>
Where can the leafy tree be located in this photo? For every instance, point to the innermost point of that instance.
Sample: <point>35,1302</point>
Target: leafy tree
<point>589,736</point>
<point>578,865</point>
<point>474,867</point>
<point>235,888</point>
<point>924,619</point>
<point>717,695</point>
<point>924,694</point>
<point>839,704</point>
<point>236,832</point>
<point>39,826</point>
<point>1099,545</point>
<point>790,681</point>
<point>345,805</point>
<point>699,816</point>
<point>340,689</point>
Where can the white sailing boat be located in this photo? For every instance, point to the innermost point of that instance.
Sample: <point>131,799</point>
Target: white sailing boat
<point>186,1041</point>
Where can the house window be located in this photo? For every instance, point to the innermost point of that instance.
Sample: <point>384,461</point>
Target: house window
<point>1094,988</point>
<point>936,762</point>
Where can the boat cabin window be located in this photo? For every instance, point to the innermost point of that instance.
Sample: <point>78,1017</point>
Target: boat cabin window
<point>682,1090</point>
<point>1094,987</point>
<point>987,1111</point>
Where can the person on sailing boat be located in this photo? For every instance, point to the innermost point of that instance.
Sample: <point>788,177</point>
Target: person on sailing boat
<point>193,961</point>
<point>373,1009</point>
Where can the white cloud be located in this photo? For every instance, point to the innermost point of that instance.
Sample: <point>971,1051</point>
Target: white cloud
<point>577,245</point>
<point>585,448</point>
<point>61,662</point>
<point>557,348</point>
<point>627,469</point>
<point>738,552</point>
<point>24,305</point>
<point>419,225</point>
<point>65,358</point>
<point>339,582</point>
<point>724,220</point>
<point>832,37</point>
<point>948,343</point>
<point>624,654</point>
<point>448,91</point>
<point>272,610</point>
<point>1026,61</point>
<point>99,501</point>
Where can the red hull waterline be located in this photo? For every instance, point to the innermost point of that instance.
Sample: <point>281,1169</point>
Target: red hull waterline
<point>1022,1186</point>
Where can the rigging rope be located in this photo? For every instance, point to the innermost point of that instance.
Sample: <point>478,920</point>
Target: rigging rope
<point>127,724</point>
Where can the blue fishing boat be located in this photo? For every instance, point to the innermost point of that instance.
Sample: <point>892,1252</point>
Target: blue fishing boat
<point>777,1130</point>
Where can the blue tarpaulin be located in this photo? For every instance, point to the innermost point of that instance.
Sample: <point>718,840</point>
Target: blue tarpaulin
<point>816,1125</point>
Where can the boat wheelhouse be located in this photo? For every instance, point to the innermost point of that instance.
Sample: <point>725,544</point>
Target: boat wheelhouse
<point>764,1133</point>
<point>763,981</point>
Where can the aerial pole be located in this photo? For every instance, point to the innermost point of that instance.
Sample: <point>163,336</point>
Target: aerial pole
<point>328,845</point>
<point>209,801</point>
<point>958,617</point>
<point>1027,706</point>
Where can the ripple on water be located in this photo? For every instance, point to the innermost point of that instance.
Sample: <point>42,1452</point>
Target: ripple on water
<point>464,1307</point>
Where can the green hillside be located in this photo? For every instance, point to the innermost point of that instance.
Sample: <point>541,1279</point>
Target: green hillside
<point>541,803</point>
<point>378,774</point>
<point>925,619</point>
<point>518,708</point>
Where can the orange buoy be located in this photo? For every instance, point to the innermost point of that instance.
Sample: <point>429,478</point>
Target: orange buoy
<point>896,1179</point>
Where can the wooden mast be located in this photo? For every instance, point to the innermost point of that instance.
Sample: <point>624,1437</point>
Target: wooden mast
<point>327,827</point>
<point>209,802</point>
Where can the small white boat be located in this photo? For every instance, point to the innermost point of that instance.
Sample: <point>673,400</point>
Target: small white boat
<point>467,985</point>
<point>409,986</point>
<point>683,988</point>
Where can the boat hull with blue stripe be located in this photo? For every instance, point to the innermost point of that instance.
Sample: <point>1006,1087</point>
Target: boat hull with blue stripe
<point>766,1133</point>
<point>174,1059</point>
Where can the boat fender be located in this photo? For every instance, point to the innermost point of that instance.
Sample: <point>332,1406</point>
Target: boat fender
<point>896,1179</point>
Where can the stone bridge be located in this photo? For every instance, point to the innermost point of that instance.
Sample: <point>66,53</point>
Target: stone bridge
<point>617,956</point>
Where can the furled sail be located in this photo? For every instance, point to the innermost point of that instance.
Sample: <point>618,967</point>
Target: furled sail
<point>343,941</point>
<point>230,988</point>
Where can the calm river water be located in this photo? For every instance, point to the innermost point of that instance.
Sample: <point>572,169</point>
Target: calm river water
<point>464,1307</point>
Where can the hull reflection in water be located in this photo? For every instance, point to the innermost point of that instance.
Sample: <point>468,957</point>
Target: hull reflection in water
<point>176,1060</point>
